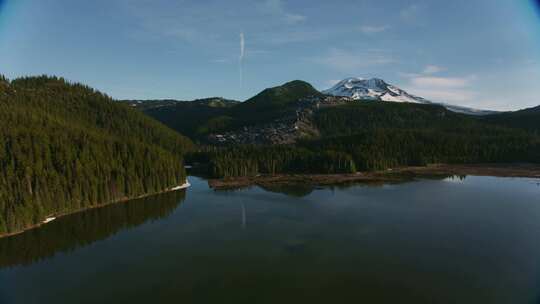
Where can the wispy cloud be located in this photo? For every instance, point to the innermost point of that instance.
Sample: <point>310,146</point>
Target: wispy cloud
<point>220,60</point>
<point>248,53</point>
<point>277,8</point>
<point>410,13</point>
<point>373,29</point>
<point>441,82</point>
<point>160,20</point>
<point>330,83</point>
<point>462,97</point>
<point>294,36</point>
<point>292,18</point>
<point>433,69</point>
<point>257,52</point>
<point>269,22</point>
<point>457,90</point>
<point>348,61</point>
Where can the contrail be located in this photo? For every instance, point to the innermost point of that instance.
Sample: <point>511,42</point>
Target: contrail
<point>241,59</point>
<point>243,216</point>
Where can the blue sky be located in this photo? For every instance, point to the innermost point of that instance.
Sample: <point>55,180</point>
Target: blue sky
<point>480,53</point>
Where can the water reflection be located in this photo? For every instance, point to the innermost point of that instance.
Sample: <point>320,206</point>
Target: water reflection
<point>81,229</point>
<point>299,190</point>
<point>244,217</point>
<point>294,190</point>
<point>455,178</point>
<point>423,242</point>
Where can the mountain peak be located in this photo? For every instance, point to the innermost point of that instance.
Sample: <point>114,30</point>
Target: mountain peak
<point>371,89</point>
<point>364,80</point>
<point>352,82</point>
<point>296,83</point>
<point>377,89</point>
<point>288,92</point>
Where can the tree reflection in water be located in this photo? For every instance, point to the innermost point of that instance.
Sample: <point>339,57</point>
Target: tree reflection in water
<point>81,229</point>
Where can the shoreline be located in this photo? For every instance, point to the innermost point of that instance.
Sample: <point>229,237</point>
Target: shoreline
<point>395,175</point>
<point>118,201</point>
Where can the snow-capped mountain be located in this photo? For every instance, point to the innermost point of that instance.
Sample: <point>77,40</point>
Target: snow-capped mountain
<point>371,89</point>
<point>378,90</point>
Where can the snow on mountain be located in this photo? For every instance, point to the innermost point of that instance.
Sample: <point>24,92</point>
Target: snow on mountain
<point>378,90</point>
<point>371,89</point>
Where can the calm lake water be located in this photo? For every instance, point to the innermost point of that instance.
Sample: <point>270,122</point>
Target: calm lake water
<point>472,240</point>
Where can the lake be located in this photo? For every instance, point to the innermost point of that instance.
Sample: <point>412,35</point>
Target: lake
<point>455,240</point>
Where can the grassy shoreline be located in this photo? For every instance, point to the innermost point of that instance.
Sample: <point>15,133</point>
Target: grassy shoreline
<point>395,175</point>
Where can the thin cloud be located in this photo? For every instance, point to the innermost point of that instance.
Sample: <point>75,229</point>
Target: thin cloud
<point>257,52</point>
<point>433,69</point>
<point>371,29</point>
<point>292,18</point>
<point>277,8</point>
<point>410,13</point>
<point>330,83</point>
<point>347,61</point>
<point>156,21</point>
<point>441,82</point>
<point>220,60</point>
<point>295,36</point>
<point>455,90</point>
<point>454,96</point>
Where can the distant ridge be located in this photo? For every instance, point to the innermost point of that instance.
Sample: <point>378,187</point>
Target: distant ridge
<point>526,119</point>
<point>215,102</point>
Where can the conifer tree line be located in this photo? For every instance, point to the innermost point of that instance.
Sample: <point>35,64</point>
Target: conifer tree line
<point>370,150</point>
<point>251,160</point>
<point>381,149</point>
<point>378,136</point>
<point>65,147</point>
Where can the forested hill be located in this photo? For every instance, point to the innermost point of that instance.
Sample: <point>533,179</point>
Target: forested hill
<point>65,147</point>
<point>212,102</point>
<point>378,136</point>
<point>294,109</point>
<point>273,102</point>
<point>198,119</point>
<point>187,117</point>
